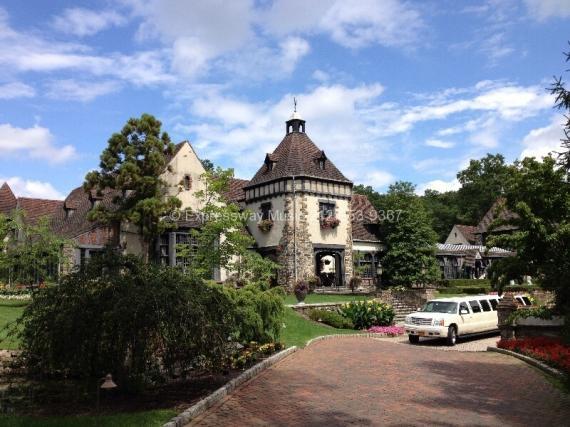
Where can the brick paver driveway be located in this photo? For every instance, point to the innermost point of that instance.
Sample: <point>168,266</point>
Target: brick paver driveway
<point>360,381</point>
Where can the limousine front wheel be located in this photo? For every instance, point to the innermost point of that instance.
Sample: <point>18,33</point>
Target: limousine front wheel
<point>414,339</point>
<point>451,336</point>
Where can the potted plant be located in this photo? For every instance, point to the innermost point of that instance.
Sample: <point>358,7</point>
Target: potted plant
<point>301,290</point>
<point>355,282</point>
<point>265,225</point>
<point>330,222</point>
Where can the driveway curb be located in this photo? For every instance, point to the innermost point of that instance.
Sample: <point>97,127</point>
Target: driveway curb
<point>217,396</point>
<point>531,361</point>
<point>332,336</point>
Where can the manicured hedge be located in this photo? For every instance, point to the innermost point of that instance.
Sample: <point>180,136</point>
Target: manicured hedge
<point>331,318</point>
<point>469,291</point>
<point>467,283</point>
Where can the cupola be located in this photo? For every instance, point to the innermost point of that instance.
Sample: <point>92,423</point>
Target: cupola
<point>295,122</point>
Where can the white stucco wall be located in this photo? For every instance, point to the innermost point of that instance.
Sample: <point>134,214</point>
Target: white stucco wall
<point>335,236</point>
<point>272,237</point>
<point>366,246</point>
<point>456,237</point>
<point>186,162</point>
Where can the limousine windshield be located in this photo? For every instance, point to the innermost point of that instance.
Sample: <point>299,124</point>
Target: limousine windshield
<point>440,307</point>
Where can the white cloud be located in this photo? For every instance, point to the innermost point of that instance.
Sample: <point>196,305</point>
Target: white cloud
<point>439,143</point>
<point>84,91</point>
<point>378,179</point>
<point>85,22</point>
<point>263,62</point>
<point>542,141</point>
<point>544,9</point>
<point>16,90</point>
<point>359,23</point>
<point>439,185</point>
<point>21,52</point>
<point>31,188</point>
<point>35,142</point>
<point>240,131</point>
<point>509,103</point>
<point>351,23</point>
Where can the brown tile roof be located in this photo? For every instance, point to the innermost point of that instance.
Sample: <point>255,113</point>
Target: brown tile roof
<point>468,232</point>
<point>79,202</point>
<point>8,201</point>
<point>497,211</point>
<point>364,219</point>
<point>235,191</point>
<point>296,155</point>
<point>34,209</point>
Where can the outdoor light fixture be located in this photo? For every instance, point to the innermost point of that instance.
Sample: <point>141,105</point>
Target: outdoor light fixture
<point>107,383</point>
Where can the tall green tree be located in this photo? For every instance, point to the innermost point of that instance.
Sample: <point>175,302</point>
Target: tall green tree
<point>444,211</point>
<point>410,240</point>
<point>558,89</point>
<point>482,182</point>
<point>539,193</point>
<point>132,164</point>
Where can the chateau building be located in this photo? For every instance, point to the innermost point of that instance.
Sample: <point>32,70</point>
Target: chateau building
<point>305,215</point>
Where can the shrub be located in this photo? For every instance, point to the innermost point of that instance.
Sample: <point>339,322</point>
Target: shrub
<point>365,314</point>
<point>143,323</point>
<point>257,313</point>
<point>542,312</point>
<point>331,318</point>
<point>354,283</point>
<point>314,282</point>
<point>469,283</point>
<point>301,290</point>
<point>468,291</point>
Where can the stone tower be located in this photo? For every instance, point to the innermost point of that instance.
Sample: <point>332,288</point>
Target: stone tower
<point>301,211</point>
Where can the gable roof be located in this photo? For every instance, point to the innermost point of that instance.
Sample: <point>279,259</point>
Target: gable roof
<point>296,155</point>
<point>34,209</point>
<point>468,232</point>
<point>497,211</point>
<point>79,201</point>
<point>8,201</point>
<point>364,219</point>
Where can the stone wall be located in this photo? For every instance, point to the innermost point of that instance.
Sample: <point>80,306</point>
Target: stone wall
<point>412,297</point>
<point>305,308</point>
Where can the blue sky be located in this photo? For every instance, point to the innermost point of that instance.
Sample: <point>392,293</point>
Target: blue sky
<point>390,89</point>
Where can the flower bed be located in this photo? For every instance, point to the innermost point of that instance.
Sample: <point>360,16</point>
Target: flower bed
<point>365,314</point>
<point>391,331</point>
<point>549,350</point>
<point>252,353</point>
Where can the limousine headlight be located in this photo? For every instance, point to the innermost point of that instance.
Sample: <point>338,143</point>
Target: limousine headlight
<point>438,322</point>
<point>408,320</point>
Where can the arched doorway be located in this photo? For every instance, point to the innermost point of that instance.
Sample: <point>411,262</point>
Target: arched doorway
<point>329,267</point>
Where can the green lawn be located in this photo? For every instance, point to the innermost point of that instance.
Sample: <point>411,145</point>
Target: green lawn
<point>298,330</point>
<point>10,310</point>
<point>316,298</point>
<point>134,419</point>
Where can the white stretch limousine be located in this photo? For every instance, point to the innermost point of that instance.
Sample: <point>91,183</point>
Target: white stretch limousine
<point>453,317</point>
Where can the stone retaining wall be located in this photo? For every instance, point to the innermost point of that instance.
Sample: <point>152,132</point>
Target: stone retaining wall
<point>305,308</point>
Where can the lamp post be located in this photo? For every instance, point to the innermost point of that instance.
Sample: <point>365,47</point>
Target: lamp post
<point>107,383</point>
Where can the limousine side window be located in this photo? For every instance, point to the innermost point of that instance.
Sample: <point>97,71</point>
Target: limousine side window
<point>463,307</point>
<point>520,300</point>
<point>494,303</point>
<point>527,300</point>
<point>485,305</point>
<point>475,307</point>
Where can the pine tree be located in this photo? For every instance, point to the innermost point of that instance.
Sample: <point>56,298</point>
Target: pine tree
<point>132,164</point>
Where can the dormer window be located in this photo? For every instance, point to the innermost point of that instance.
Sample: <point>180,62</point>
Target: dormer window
<point>187,182</point>
<point>321,160</point>
<point>270,162</point>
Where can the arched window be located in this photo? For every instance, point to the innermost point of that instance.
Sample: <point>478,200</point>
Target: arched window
<point>187,182</point>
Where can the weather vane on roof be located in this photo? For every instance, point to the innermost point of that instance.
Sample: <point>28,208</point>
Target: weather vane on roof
<point>295,104</point>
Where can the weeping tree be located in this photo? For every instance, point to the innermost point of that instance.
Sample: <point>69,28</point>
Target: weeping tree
<point>132,165</point>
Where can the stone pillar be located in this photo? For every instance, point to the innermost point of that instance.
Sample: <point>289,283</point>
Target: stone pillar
<point>506,306</point>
